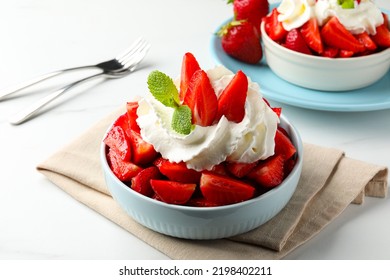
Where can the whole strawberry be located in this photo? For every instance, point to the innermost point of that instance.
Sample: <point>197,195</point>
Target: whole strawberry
<point>251,10</point>
<point>241,40</point>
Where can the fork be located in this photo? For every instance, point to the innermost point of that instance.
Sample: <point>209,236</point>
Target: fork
<point>120,66</point>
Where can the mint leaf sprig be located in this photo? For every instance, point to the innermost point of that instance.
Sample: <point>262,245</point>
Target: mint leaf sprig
<point>164,90</point>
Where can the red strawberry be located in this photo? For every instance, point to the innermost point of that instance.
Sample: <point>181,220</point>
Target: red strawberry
<point>223,190</point>
<point>189,66</point>
<point>382,36</point>
<point>124,170</point>
<point>251,10</point>
<point>295,41</point>
<point>239,169</point>
<point>283,145</point>
<point>201,202</point>
<point>220,169</point>
<point>334,34</point>
<point>274,27</point>
<point>117,140</point>
<point>231,102</point>
<point>330,52</point>
<point>143,153</point>
<point>311,34</point>
<point>366,40</point>
<point>172,192</point>
<point>132,115</point>
<point>201,99</point>
<point>141,182</point>
<point>241,41</point>
<point>270,172</point>
<point>177,171</point>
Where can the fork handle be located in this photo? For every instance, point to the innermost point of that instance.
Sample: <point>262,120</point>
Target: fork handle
<point>37,80</point>
<point>34,108</point>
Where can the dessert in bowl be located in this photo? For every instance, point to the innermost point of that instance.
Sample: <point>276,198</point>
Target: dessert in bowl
<point>204,158</point>
<point>326,44</point>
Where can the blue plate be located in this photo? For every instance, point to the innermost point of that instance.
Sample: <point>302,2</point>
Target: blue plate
<point>374,97</point>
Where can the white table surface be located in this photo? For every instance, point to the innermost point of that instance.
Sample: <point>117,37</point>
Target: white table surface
<point>40,221</point>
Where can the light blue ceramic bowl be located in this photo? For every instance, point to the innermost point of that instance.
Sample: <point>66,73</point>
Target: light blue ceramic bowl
<point>210,222</point>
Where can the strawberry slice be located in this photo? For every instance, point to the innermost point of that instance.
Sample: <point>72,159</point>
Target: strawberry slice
<point>231,102</point>
<point>123,170</point>
<point>240,169</point>
<point>117,140</point>
<point>295,41</point>
<point>311,34</point>
<point>177,171</point>
<point>132,115</point>
<point>143,153</point>
<point>330,52</point>
<point>141,182</point>
<point>201,99</point>
<point>270,172</point>
<point>382,36</point>
<point>334,34</point>
<point>366,40</point>
<point>283,145</point>
<point>274,27</point>
<point>223,190</point>
<point>189,66</point>
<point>172,192</point>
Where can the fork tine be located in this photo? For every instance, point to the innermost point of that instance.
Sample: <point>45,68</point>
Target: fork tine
<point>131,50</point>
<point>134,58</point>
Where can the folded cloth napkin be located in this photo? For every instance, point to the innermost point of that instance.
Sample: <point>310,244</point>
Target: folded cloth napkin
<point>330,181</point>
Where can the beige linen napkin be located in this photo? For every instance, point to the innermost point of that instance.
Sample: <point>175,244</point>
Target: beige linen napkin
<point>329,183</point>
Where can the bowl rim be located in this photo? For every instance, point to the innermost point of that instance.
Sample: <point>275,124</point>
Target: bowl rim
<point>315,58</point>
<point>296,169</point>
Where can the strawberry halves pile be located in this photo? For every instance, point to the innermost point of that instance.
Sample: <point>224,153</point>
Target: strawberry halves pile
<point>330,40</point>
<point>136,163</point>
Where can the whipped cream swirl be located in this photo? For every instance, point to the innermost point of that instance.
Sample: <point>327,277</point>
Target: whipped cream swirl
<point>250,140</point>
<point>364,17</point>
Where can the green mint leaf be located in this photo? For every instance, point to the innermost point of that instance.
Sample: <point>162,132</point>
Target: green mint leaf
<point>347,4</point>
<point>182,120</point>
<point>163,89</point>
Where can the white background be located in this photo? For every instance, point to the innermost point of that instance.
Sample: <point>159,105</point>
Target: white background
<point>39,221</point>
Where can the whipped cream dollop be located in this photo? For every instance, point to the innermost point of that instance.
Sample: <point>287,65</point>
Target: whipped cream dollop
<point>365,16</point>
<point>250,140</point>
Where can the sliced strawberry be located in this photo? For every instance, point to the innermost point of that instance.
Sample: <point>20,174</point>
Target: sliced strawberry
<point>330,52</point>
<point>189,66</point>
<point>240,40</point>
<point>274,27</point>
<point>251,10</point>
<point>201,99</point>
<point>239,169</point>
<point>231,102</point>
<point>295,41</point>
<point>382,36</point>
<point>334,34</point>
<point>289,165</point>
<point>311,34</point>
<point>117,140</point>
<point>123,170</point>
<point>223,190</point>
<point>143,153</point>
<point>366,40</point>
<point>132,115</point>
<point>172,192</point>
<point>201,202</point>
<point>177,171</point>
<point>345,53</point>
<point>270,172</point>
<point>283,145</point>
<point>220,169</point>
<point>141,182</point>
